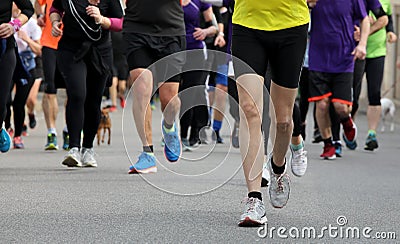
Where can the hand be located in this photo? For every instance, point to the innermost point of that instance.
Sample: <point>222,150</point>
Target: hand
<point>23,35</point>
<point>199,34</point>
<point>6,30</point>
<point>312,3</point>
<point>357,33</point>
<point>391,37</point>
<point>56,31</point>
<point>359,52</point>
<point>41,21</point>
<point>94,12</point>
<point>219,41</point>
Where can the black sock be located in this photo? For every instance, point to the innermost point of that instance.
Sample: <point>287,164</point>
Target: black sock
<point>328,141</point>
<point>148,149</point>
<point>277,169</point>
<point>255,194</point>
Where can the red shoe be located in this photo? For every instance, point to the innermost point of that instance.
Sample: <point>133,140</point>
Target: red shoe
<point>329,152</point>
<point>113,109</point>
<point>122,102</point>
<point>18,143</point>
<point>350,134</point>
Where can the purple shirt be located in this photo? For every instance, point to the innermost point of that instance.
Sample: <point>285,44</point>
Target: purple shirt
<point>332,35</point>
<point>192,13</point>
<point>370,5</point>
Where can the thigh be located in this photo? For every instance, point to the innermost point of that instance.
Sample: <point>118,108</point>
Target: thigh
<point>319,86</point>
<point>249,53</point>
<point>342,85</point>
<point>74,73</point>
<point>287,55</point>
<point>49,61</point>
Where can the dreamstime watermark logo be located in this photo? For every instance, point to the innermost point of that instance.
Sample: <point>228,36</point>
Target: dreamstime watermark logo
<point>339,230</point>
<point>212,165</point>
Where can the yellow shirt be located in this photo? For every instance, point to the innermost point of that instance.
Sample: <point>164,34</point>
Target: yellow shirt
<point>271,15</point>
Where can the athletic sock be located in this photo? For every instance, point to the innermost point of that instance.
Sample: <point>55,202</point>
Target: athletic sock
<point>328,141</point>
<point>168,128</point>
<point>65,129</point>
<point>372,132</point>
<point>217,124</point>
<point>277,169</point>
<point>148,149</point>
<point>52,131</point>
<point>255,194</point>
<point>297,147</point>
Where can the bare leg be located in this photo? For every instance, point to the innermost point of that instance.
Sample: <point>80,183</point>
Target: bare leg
<point>142,80</point>
<point>283,118</point>
<point>113,91</point>
<point>250,90</point>
<point>50,110</point>
<point>373,116</point>
<point>170,102</point>
<point>32,99</point>
<point>323,118</point>
<point>220,101</point>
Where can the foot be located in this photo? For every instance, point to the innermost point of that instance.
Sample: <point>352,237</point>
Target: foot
<point>217,138</point>
<point>254,213</point>
<point>65,140</point>
<point>73,158</point>
<point>279,188</point>
<point>24,130</point>
<point>18,143</point>
<point>145,164</point>
<point>298,163</point>
<point>5,141</point>
<point>185,145</point>
<point>32,120</point>
<point>338,148</point>
<point>329,152</point>
<point>122,101</point>
<point>235,135</point>
<point>10,132</point>
<point>87,155</point>
<point>350,134</point>
<point>371,143</point>
<point>172,148</point>
<point>51,142</point>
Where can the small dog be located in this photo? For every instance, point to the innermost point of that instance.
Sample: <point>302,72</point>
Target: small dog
<point>388,109</point>
<point>105,125</point>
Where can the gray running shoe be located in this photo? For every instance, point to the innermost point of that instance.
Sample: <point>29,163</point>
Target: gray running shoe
<point>88,159</point>
<point>73,158</point>
<point>254,213</point>
<point>279,187</point>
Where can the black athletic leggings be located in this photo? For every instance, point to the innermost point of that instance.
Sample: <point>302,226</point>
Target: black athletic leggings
<point>85,87</point>
<point>374,68</point>
<point>18,103</point>
<point>7,66</point>
<point>359,68</point>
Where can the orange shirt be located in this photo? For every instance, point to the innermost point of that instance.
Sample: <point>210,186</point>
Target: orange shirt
<point>47,39</point>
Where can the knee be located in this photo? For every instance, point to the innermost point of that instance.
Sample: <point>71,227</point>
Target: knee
<point>250,110</point>
<point>142,82</point>
<point>342,109</point>
<point>284,127</point>
<point>323,105</point>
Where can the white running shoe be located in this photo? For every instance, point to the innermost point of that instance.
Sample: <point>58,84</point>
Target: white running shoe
<point>265,175</point>
<point>254,213</point>
<point>88,159</point>
<point>279,187</point>
<point>298,162</point>
<point>73,158</point>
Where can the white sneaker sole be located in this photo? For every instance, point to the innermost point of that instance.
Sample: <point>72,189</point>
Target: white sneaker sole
<point>143,171</point>
<point>90,164</point>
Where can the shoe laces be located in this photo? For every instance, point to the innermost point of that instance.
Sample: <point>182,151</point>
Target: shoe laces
<point>250,203</point>
<point>299,154</point>
<point>280,184</point>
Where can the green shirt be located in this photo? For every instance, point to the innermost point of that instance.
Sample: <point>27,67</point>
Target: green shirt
<point>376,44</point>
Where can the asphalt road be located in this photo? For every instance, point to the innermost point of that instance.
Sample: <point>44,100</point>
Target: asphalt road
<point>197,200</point>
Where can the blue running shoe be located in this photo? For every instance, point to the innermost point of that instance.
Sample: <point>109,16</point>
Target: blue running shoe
<point>173,146</point>
<point>145,164</point>
<point>66,140</point>
<point>51,142</point>
<point>338,148</point>
<point>371,142</point>
<point>5,141</point>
